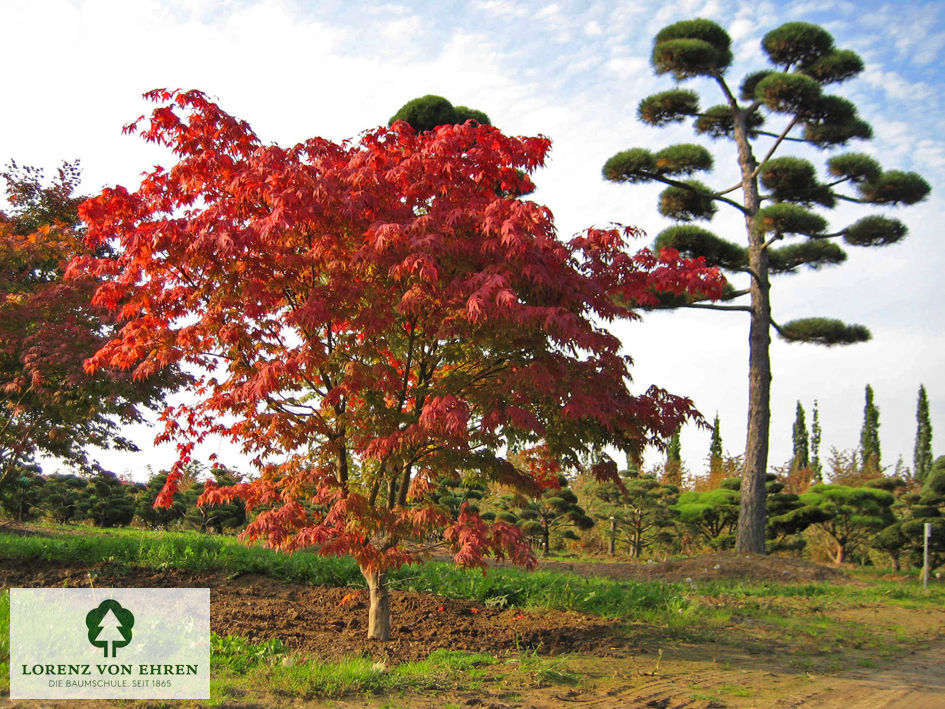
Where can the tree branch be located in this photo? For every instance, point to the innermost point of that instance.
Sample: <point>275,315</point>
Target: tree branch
<point>777,143</point>
<point>775,135</point>
<point>777,237</point>
<point>711,195</point>
<point>713,306</point>
<point>855,200</point>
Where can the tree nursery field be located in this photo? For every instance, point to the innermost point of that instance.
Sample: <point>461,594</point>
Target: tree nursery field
<point>721,630</point>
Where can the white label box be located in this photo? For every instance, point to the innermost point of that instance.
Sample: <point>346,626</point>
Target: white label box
<point>109,643</point>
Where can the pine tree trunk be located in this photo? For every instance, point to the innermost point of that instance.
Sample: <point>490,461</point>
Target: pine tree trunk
<point>379,609</point>
<point>751,518</point>
<point>841,554</point>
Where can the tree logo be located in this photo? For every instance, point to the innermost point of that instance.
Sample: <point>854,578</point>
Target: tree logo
<point>109,624</point>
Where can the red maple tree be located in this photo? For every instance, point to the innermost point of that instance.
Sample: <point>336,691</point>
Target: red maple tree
<point>370,316</point>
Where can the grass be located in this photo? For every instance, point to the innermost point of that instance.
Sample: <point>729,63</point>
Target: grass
<point>816,626</point>
<point>191,551</point>
<point>240,667</point>
<point>502,587</point>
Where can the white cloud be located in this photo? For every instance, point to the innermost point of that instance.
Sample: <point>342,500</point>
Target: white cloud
<point>501,8</point>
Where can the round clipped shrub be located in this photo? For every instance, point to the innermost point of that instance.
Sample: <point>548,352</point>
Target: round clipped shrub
<point>786,218</point>
<point>875,230</point>
<point>859,167</point>
<point>668,107</point>
<point>686,204</point>
<point>796,43</point>
<point>634,165</point>
<point>824,331</point>
<point>464,114</point>
<point>787,93</point>
<point>895,187</point>
<point>692,241</point>
<point>830,109</point>
<point>813,254</point>
<point>683,159</point>
<point>425,113</point>
<point>684,58</point>
<point>787,176</point>
<point>838,65</point>
<point>718,122</point>
<point>826,134</point>
<point>700,30</point>
<point>747,89</point>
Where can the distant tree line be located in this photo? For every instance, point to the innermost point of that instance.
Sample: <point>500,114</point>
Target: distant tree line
<point>105,500</point>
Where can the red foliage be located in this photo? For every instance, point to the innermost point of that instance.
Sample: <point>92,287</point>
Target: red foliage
<point>373,314</point>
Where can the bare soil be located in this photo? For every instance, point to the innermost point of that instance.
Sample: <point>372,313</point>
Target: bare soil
<point>749,664</point>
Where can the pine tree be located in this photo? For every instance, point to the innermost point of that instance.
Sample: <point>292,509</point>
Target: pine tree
<point>801,457</point>
<point>815,434</point>
<point>869,435</point>
<point>776,193</point>
<point>922,459</point>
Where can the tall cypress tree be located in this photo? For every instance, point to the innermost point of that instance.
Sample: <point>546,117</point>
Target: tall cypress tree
<point>715,454</point>
<point>869,435</point>
<point>672,474</point>
<point>715,445</point>
<point>674,448</point>
<point>922,458</point>
<point>801,441</point>
<point>774,195</point>
<point>815,433</point>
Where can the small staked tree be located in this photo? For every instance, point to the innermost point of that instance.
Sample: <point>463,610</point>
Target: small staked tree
<point>369,315</point>
<point>711,515</point>
<point>551,517</point>
<point>801,457</point>
<point>777,194</point>
<point>638,510</point>
<point>922,457</point>
<point>869,434</point>
<point>852,515</point>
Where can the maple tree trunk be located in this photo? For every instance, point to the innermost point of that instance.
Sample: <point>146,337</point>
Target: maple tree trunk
<point>379,608</point>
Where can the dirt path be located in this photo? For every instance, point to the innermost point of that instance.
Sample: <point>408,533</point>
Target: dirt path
<point>685,680</point>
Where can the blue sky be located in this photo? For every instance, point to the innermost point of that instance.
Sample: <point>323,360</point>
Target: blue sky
<point>573,71</point>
